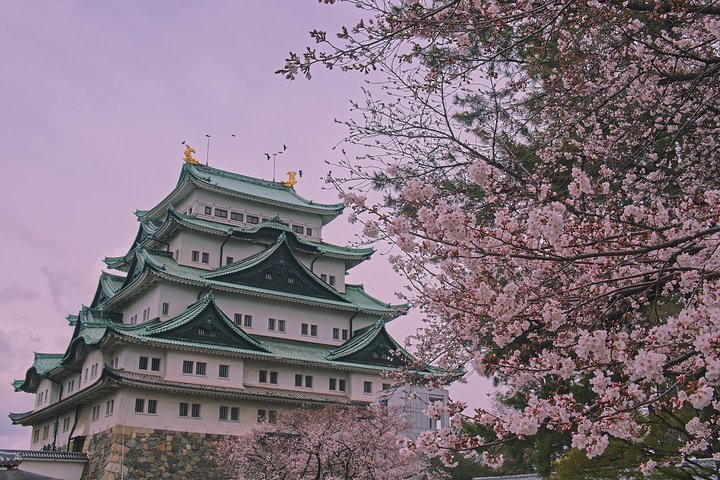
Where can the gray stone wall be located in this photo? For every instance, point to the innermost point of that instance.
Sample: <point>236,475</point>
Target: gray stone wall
<point>148,453</point>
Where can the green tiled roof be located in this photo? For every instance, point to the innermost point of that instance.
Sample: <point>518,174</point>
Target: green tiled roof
<point>363,339</point>
<point>162,264</point>
<point>241,186</point>
<point>44,362</point>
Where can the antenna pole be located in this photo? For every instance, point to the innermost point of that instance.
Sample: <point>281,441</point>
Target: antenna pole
<point>274,155</point>
<point>207,152</point>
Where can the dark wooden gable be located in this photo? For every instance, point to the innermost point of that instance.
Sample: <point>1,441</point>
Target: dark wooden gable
<point>281,272</point>
<point>378,352</point>
<point>208,327</point>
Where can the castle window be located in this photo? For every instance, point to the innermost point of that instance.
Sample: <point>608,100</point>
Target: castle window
<point>313,331</point>
<point>238,319</point>
<point>195,256</point>
<point>298,229</point>
<point>184,407</point>
<point>248,321</point>
<point>290,279</point>
<point>139,405</point>
<point>367,387</point>
<point>333,384</point>
<point>236,216</point>
<point>223,415</point>
<point>94,371</point>
<point>304,329</point>
<point>165,308</point>
<point>188,366</point>
<point>336,334</point>
<point>262,374</point>
<point>308,231</point>
<point>386,386</point>
<point>200,368</point>
<point>261,415</point>
<point>298,380</point>
<point>224,371</point>
<point>66,424</point>
<point>274,377</point>
<point>308,381</point>
<point>143,363</point>
<point>272,416</point>
<point>234,414</point>
<point>268,276</point>
<point>208,210</point>
<point>332,280</point>
<point>155,365</point>
<point>252,219</point>
<point>46,431</point>
<point>152,406</point>
<point>86,374</point>
<point>146,314</point>
<point>323,277</point>
<point>229,260</point>
<point>195,410</point>
<point>205,257</point>
<point>271,324</point>
<point>221,213</point>
<point>206,332</point>
<point>345,334</point>
<point>109,407</point>
<point>95,413</point>
<point>281,325</point>
<point>36,435</point>
<point>342,384</point>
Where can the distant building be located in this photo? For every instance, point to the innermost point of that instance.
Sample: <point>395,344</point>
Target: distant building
<point>227,309</point>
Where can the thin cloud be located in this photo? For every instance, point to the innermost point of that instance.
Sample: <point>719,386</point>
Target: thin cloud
<point>16,292</point>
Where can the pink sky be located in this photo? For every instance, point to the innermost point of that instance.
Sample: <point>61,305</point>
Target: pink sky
<point>95,98</point>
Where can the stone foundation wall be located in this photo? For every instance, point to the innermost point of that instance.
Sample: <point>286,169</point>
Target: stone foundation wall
<point>148,453</point>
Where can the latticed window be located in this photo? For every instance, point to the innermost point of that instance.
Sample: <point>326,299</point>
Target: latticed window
<point>184,407</point>
<point>188,366</point>
<point>195,410</point>
<point>152,406</point>
<point>224,371</point>
<point>200,368</point>
<point>139,405</point>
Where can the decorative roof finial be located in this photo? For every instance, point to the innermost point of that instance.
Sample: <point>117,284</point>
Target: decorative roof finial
<point>188,155</point>
<point>291,181</point>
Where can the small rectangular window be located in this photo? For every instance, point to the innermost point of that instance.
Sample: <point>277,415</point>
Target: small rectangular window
<point>333,384</point>
<point>177,255</point>
<point>268,276</point>
<point>345,334</point>
<point>272,416</point>
<point>308,231</point>
<point>195,256</point>
<point>183,409</point>
<point>208,210</point>
<point>323,277</point>
<point>223,415</point>
<point>221,213</point>
<point>253,219</point>
<point>143,364</point>
<point>367,387</point>
<point>313,330</point>
<point>386,386</point>
<point>224,371</point>
<point>205,257</point>
<point>200,368</point>
<point>95,412</point>
<point>290,279</point>
<point>46,431</point>
<point>229,260</point>
<point>308,381</point>
<point>188,366</point>
<point>281,325</point>
<point>155,365</point>
<point>262,376</point>
<point>248,321</point>
<point>238,319</point>
<point>271,324</point>
<point>304,329</point>
<point>298,229</point>
<point>36,436</point>
<point>236,216</point>
<point>165,308</point>
<point>332,280</point>
<point>336,334</point>
<point>139,405</point>
<point>109,407</point>
<point>234,414</point>
<point>195,410</point>
<point>261,415</point>
<point>274,377</point>
<point>152,406</point>
<point>298,380</point>
<point>341,385</point>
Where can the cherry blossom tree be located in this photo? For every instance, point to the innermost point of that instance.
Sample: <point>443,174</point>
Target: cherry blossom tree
<point>549,173</point>
<point>332,443</point>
